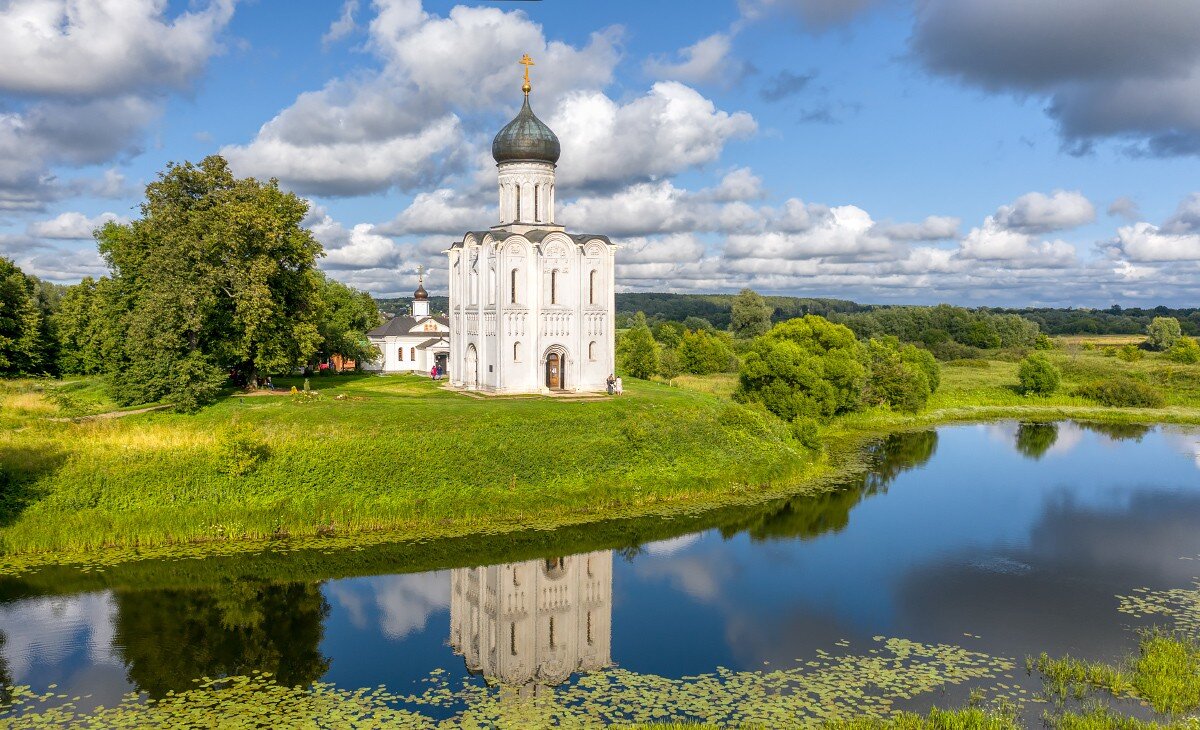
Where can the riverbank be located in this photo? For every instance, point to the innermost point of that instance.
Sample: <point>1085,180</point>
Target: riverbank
<point>370,460</point>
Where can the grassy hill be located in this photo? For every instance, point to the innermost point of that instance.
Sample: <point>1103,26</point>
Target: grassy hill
<point>370,453</point>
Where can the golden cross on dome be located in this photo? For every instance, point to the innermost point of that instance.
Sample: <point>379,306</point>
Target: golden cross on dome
<point>526,61</point>
<point>420,274</point>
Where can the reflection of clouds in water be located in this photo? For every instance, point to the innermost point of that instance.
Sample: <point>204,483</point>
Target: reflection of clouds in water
<point>46,630</point>
<point>1001,432</point>
<point>699,576</point>
<point>404,602</point>
<point>1186,441</point>
<point>672,545</point>
<point>1069,436</point>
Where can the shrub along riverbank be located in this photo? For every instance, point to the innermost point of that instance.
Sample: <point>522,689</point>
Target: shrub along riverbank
<point>400,455</point>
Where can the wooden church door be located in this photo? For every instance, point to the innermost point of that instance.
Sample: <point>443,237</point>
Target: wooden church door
<point>553,372</point>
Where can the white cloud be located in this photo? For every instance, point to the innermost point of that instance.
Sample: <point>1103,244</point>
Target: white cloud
<point>72,225</point>
<point>101,48</point>
<point>738,184</point>
<point>1040,213</point>
<point>994,241</point>
<point>1187,216</point>
<point>402,126</point>
<point>359,247</point>
<point>440,211</point>
<point>705,61</point>
<point>343,26</point>
<point>845,230</point>
<point>933,228</point>
<point>668,130</point>
<point>1145,242</point>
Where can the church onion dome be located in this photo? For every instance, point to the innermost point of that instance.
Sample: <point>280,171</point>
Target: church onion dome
<point>420,295</point>
<point>526,138</point>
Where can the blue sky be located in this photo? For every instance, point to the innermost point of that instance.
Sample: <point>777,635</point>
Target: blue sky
<point>879,150</point>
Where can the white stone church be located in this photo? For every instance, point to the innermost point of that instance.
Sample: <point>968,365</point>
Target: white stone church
<point>531,306</point>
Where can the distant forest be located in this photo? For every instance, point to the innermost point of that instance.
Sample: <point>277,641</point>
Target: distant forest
<point>716,309</point>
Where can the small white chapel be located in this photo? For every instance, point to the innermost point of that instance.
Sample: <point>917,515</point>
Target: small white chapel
<point>412,343</point>
<point>532,307</point>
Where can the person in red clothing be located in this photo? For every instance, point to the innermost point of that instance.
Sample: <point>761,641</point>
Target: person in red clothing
<point>433,373</point>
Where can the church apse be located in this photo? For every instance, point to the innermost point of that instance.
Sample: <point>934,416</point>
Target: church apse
<point>533,624</point>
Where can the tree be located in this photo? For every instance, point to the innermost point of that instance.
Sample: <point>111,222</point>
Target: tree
<point>637,352</point>
<point>703,353</point>
<point>83,323</point>
<point>1038,376</point>
<point>344,317</point>
<point>697,324</point>
<point>892,381</point>
<point>669,366</point>
<point>1163,332</point>
<point>925,362</point>
<point>804,367</point>
<point>750,316</point>
<point>217,275</point>
<point>22,323</point>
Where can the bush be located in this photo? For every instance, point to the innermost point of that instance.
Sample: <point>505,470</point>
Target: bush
<point>1038,376</point>
<point>924,361</point>
<point>1042,342</point>
<point>1185,350</point>
<point>242,449</point>
<point>1130,353</point>
<point>1163,332</point>
<point>637,352</point>
<point>702,353</point>
<point>1122,392</point>
<point>806,431</point>
<point>804,367</point>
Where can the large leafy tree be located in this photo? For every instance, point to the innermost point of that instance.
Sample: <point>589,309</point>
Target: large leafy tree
<point>703,352</point>
<point>24,336</point>
<point>751,315</point>
<point>216,276</point>
<point>1163,332</point>
<point>345,316</point>
<point>806,367</point>
<point>83,323</point>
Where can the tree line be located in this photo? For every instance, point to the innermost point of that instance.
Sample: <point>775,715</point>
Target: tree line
<point>215,281</point>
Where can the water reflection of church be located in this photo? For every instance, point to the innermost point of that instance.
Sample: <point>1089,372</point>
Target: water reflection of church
<point>533,624</point>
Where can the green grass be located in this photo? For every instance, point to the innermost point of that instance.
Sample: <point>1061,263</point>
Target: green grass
<point>401,456</point>
<point>374,453</point>
<point>1165,673</point>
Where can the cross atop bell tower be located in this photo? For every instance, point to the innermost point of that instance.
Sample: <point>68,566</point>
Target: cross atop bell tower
<point>526,61</point>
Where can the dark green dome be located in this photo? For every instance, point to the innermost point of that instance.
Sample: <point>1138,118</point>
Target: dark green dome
<point>525,138</point>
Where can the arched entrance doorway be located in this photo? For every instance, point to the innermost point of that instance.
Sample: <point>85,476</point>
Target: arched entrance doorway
<point>471,377</point>
<point>556,371</point>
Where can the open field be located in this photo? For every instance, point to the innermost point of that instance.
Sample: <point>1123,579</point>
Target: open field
<point>1099,340</point>
<point>401,456</point>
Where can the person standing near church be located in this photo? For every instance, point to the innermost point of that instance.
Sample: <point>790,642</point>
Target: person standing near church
<point>618,387</point>
<point>610,383</point>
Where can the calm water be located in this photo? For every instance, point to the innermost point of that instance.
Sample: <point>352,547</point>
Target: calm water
<point>1005,539</point>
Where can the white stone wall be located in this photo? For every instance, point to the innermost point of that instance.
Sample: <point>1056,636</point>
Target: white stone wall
<point>564,303</point>
<point>526,191</point>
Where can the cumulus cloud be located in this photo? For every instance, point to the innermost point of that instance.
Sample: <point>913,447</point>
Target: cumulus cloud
<point>1145,242</point>
<point>996,241</point>
<point>72,225</point>
<point>706,61</point>
<point>104,47</point>
<point>668,130</point>
<point>1109,68</point>
<point>357,247</point>
<point>414,122</point>
<point>845,230</point>
<point>441,211</point>
<point>933,228</point>
<point>89,77</point>
<point>1040,213</point>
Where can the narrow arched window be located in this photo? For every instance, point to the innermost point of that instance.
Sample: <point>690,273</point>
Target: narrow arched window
<point>554,286</point>
<point>551,632</point>
<point>592,287</point>
<point>536,192</point>
<point>518,217</point>
<point>412,353</point>
<point>516,352</point>
<point>512,638</point>
<point>591,353</point>
<point>400,353</point>
<point>589,628</point>
<point>512,287</point>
